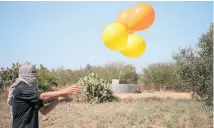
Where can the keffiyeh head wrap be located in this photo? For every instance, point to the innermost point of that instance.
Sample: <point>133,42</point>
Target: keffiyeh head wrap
<point>27,74</point>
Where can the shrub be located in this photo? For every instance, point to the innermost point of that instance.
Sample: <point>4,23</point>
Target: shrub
<point>94,89</point>
<point>8,75</point>
<point>46,80</point>
<point>161,76</point>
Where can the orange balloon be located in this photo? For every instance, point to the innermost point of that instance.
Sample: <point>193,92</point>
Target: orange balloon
<point>141,17</point>
<point>123,17</point>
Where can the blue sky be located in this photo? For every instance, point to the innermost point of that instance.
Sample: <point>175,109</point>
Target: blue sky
<point>69,34</point>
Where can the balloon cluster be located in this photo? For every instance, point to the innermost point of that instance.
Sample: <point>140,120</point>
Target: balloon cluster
<point>119,36</point>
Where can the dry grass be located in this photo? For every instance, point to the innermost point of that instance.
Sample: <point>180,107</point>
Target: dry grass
<point>163,95</point>
<point>147,112</point>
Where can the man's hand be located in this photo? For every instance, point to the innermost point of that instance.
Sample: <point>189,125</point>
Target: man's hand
<point>71,90</point>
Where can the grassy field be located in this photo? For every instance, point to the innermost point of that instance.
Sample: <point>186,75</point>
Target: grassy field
<point>147,110</point>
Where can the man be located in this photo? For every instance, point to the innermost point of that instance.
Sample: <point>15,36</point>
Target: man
<point>25,101</point>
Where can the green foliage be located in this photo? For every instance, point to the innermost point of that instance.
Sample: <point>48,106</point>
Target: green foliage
<point>94,89</point>
<point>115,70</point>
<point>8,75</point>
<point>196,67</point>
<point>128,75</point>
<point>46,79</point>
<point>161,75</point>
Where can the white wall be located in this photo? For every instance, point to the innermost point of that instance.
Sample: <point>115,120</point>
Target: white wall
<point>123,88</point>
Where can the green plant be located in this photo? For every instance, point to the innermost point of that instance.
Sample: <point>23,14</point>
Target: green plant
<point>94,89</point>
<point>112,70</point>
<point>196,68</point>
<point>8,75</point>
<point>46,80</point>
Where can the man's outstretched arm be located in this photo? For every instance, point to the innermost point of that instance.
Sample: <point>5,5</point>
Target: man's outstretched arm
<point>52,95</point>
<point>55,94</point>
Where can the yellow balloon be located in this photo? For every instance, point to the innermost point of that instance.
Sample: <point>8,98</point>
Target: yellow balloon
<point>135,47</point>
<point>115,36</point>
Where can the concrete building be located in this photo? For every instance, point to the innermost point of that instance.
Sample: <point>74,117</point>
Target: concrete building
<point>122,88</point>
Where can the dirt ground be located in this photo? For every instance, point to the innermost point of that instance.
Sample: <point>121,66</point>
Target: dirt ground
<point>151,111</point>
